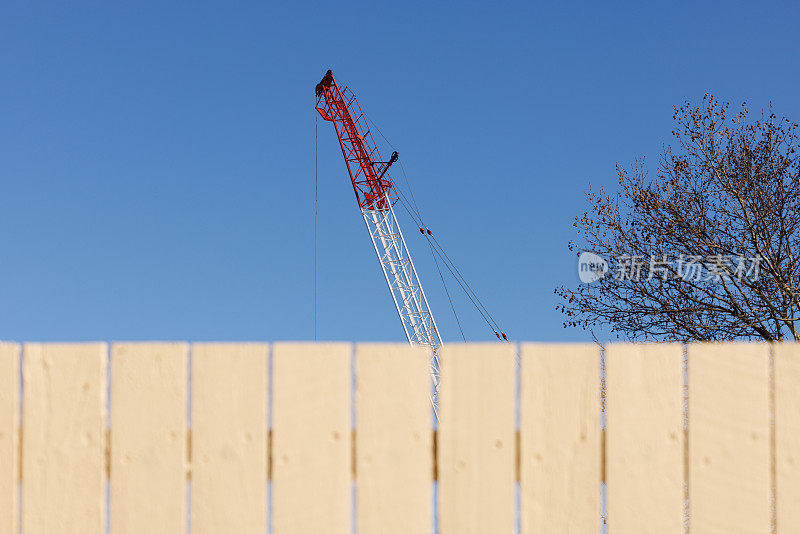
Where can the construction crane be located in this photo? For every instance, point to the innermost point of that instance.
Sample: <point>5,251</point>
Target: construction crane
<point>376,196</point>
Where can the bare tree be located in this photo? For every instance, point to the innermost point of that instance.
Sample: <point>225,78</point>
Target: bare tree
<point>724,202</point>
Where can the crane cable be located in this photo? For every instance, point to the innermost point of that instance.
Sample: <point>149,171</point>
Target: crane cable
<point>425,231</point>
<point>413,210</point>
<point>430,245</point>
<point>433,254</point>
<point>476,301</point>
<point>493,325</point>
<point>458,276</point>
<point>436,252</point>
<point>452,267</point>
<point>316,203</point>
<point>447,292</point>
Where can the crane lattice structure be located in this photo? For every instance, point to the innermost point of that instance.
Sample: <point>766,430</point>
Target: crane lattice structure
<point>373,187</point>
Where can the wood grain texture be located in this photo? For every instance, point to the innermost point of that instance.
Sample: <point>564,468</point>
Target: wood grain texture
<point>787,436</point>
<point>229,438</point>
<point>645,438</point>
<point>9,437</point>
<point>148,437</point>
<point>394,462</point>
<point>64,414</point>
<point>560,438</point>
<point>311,438</point>
<point>729,446</point>
<point>477,448</point>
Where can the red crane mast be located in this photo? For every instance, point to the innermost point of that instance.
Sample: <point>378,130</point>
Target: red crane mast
<point>375,195</point>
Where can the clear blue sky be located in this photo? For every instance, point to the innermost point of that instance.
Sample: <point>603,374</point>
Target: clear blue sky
<point>157,163</point>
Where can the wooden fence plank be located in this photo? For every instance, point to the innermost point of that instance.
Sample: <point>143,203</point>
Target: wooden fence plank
<point>229,438</point>
<point>645,438</point>
<point>477,448</point>
<point>394,462</point>
<point>729,448</point>
<point>560,438</point>
<point>9,433</point>
<point>148,437</point>
<point>311,438</point>
<point>787,436</point>
<point>64,440</point>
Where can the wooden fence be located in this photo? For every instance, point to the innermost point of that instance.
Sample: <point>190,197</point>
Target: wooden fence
<point>187,439</point>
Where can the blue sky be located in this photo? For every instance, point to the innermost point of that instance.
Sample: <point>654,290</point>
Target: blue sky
<point>157,163</point>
